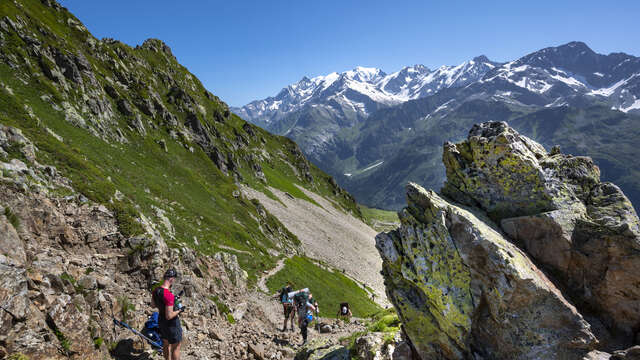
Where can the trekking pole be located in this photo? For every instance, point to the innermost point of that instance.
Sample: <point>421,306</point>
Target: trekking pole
<point>114,325</point>
<point>125,325</point>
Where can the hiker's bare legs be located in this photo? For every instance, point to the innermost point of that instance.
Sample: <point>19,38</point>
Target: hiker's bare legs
<point>165,350</point>
<point>175,351</point>
<point>291,316</point>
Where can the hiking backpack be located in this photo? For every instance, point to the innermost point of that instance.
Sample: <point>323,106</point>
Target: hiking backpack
<point>344,309</point>
<point>152,330</point>
<point>301,298</point>
<point>284,294</point>
<point>158,298</point>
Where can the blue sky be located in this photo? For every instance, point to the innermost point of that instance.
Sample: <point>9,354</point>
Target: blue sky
<point>244,50</point>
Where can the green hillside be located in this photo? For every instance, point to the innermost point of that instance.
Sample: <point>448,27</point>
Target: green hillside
<point>329,287</point>
<point>137,132</point>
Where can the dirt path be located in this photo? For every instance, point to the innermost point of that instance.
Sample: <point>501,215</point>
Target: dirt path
<point>271,314</point>
<point>329,234</point>
<point>262,283</point>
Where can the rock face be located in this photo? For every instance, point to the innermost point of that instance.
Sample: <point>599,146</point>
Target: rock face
<point>555,207</point>
<point>465,286</point>
<point>322,349</point>
<point>461,287</point>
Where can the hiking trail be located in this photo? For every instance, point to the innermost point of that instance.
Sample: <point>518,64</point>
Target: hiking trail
<point>262,283</point>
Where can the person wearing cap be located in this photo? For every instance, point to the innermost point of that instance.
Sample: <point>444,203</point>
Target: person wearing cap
<point>169,321</point>
<point>305,314</point>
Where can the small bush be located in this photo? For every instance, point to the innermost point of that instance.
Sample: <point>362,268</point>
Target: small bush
<point>64,342</point>
<point>15,151</point>
<point>17,356</point>
<point>220,305</point>
<point>97,342</point>
<point>125,307</point>
<point>230,319</point>
<point>12,217</point>
<point>155,286</point>
<point>126,217</point>
<point>69,278</point>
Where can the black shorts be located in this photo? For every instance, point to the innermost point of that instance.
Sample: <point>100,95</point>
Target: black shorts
<point>173,333</point>
<point>288,308</point>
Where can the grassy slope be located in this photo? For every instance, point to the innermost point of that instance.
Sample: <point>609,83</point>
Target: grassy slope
<point>380,220</point>
<point>329,288</point>
<point>196,195</point>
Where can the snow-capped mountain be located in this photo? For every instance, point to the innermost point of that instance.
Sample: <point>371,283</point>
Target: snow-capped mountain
<point>375,131</point>
<point>568,74</point>
<point>363,90</point>
<point>568,95</point>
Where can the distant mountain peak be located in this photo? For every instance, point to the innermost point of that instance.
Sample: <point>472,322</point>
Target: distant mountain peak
<point>577,44</point>
<point>363,89</point>
<point>481,59</point>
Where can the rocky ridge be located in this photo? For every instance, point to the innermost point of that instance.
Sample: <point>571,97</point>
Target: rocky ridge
<point>67,270</point>
<point>115,164</point>
<point>526,255</point>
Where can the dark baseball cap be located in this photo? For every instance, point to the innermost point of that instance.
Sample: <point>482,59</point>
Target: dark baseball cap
<point>171,273</point>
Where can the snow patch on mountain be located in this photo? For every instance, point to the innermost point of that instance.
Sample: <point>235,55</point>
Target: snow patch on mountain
<point>549,76</point>
<point>363,87</point>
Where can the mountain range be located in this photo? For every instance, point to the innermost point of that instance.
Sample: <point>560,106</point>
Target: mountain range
<point>374,132</point>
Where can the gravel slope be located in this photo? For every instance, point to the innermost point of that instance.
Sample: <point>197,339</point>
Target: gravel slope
<point>329,234</point>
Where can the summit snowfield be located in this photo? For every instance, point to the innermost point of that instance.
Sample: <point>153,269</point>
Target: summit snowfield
<point>359,92</point>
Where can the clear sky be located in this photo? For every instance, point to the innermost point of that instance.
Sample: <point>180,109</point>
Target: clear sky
<point>247,50</point>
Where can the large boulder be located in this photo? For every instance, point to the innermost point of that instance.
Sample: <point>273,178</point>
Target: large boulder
<point>555,207</point>
<point>460,287</point>
<point>322,349</point>
<point>507,174</point>
<point>10,243</point>
<point>14,299</point>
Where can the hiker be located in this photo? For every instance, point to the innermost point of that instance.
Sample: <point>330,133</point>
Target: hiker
<point>169,323</point>
<point>344,313</point>
<point>313,302</point>
<point>305,312</point>
<point>287,305</point>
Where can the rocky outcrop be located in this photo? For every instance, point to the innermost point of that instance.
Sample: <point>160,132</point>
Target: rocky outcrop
<point>469,279</point>
<point>66,269</point>
<point>460,287</point>
<point>555,207</point>
<point>322,349</point>
<point>377,346</point>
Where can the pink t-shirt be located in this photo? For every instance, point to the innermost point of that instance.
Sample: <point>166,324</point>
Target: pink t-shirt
<point>168,297</point>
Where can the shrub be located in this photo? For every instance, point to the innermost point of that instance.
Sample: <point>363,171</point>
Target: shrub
<point>126,217</point>
<point>12,217</point>
<point>17,356</point>
<point>125,307</point>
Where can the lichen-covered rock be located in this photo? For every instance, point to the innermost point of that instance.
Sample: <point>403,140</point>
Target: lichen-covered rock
<point>13,297</point>
<point>10,244</point>
<point>322,349</point>
<point>375,346</point>
<point>460,287</point>
<point>507,174</point>
<point>555,207</point>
